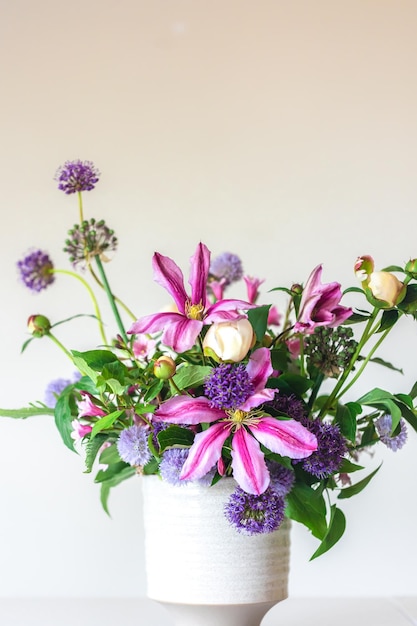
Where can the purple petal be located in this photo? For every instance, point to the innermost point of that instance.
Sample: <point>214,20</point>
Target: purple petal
<point>168,275</point>
<point>259,368</point>
<point>285,437</point>
<point>205,451</point>
<point>232,306</point>
<point>188,410</point>
<point>248,464</point>
<point>200,265</point>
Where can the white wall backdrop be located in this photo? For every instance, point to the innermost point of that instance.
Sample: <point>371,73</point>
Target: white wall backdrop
<point>285,132</point>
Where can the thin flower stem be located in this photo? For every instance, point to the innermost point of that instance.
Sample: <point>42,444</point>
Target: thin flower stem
<point>60,345</point>
<point>367,333</point>
<point>92,296</point>
<point>120,302</point>
<point>364,364</point>
<point>111,299</point>
<point>80,206</point>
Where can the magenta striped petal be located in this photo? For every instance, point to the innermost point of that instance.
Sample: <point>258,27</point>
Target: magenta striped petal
<point>285,437</point>
<point>259,368</point>
<point>248,464</point>
<point>167,274</point>
<point>224,310</point>
<point>188,410</point>
<point>200,265</point>
<point>179,332</point>
<point>264,395</point>
<point>205,451</point>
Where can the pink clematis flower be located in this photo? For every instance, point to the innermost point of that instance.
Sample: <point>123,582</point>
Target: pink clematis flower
<point>319,305</point>
<point>181,329</point>
<point>248,427</point>
<point>87,408</point>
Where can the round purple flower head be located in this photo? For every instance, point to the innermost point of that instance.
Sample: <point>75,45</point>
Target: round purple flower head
<point>171,465</point>
<point>35,270</point>
<point>251,514</point>
<point>384,425</point>
<point>76,176</point>
<point>282,478</point>
<point>227,266</point>
<point>56,386</point>
<point>132,445</point>
<point>328,457</point>
<point>228,386</point>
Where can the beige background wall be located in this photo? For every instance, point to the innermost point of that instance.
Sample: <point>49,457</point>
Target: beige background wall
<point>285,132</point>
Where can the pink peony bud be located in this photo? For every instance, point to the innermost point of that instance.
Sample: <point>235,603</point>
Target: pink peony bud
<point>39,325</point>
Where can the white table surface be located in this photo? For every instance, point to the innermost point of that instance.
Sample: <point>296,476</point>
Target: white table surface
<point>142,612</point>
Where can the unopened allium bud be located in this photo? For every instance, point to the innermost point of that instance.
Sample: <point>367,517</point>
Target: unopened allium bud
<point>39,325</point>
<point>90,239</point>
<point>164,368</point>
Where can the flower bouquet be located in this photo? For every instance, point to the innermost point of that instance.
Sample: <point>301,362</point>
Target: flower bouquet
<point>217,388</point>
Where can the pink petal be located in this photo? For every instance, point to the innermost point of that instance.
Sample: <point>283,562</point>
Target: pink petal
<point>285,437</point>
<point>179,332</point>
<point>200,265</point>
<point>188,410</point>
<point>168,275</point>
<point>259,368</point>
<point>260,397</point>
<point>248,464</point>
<point>205,451</point>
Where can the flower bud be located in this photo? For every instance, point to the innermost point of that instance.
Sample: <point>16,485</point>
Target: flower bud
<point>386,287</point>
<point>411,268</point>
<point>38,325</point>
<point>164,368</point>
<point>229,341</point>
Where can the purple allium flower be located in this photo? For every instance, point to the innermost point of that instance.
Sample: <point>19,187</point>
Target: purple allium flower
<point>56,386</point>
<point>76,176</point>
<point>227,266</point>
<point>171,466</point>
<point>228,386</point>
<point>253,514</point>
<point>282,478</point>
<point>328,457</point>
<point>90,239</point>
<point>132,445</point>
<point>384,426</point>
<point>290,405</point>
<point>35,270</point>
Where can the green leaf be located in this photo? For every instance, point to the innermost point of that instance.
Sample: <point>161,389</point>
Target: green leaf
<point>279,357</point>
<point>106,485</point>
<point>307,506</point>
<point>92,447</point>
<point>86,384</point>
<point>26,412</point>
<point>291,383</point>
<point>356,318</point>
<point>386,364</point>
<point>25,345</point>
<point>346,418</point>
<point>353,490</point>
<point>348,467</point>
<point>175,436</point>
<point>96,359</point>
<point>353,289</point>
<point>258,318</point>
<point>393,268</point>
<point>153,391</point>
<point>408,413</point>
<point>388,319</point>
<point>110,454</point>
<point>63,418</point>
<point>191,375</point>
<point>105,422</point>
<point>409,303</point>
<point>337,525</point>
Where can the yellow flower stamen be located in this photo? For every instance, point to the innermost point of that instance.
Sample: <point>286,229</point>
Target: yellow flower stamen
<point>194,311</point>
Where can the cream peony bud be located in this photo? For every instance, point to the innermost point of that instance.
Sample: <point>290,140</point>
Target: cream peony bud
<point>229,341</point>
<point>385,286</point>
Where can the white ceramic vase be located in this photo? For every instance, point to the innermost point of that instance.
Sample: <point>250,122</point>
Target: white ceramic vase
<point>199,567</point>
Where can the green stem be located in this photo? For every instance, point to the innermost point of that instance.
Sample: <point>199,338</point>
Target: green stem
<point>92,296</point>
<point>111,299</point>
<point>116,299</point>
<point>365,362</point>
<point>80,206</point>
<point>60,345</point>
<point>367,333</point>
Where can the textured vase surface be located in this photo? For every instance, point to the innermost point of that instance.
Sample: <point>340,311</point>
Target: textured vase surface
<point>204,568</point>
